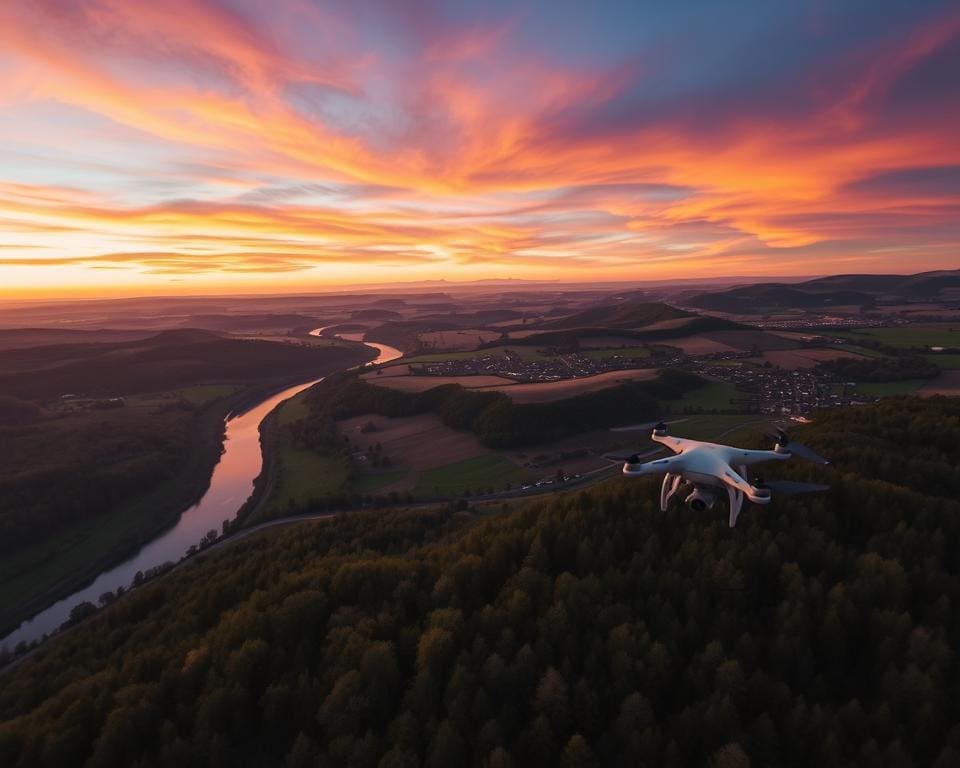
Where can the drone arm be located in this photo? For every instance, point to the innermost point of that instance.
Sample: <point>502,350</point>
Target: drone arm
<point>669,464</point>
<point>675,444</point>
<point>747,458</point>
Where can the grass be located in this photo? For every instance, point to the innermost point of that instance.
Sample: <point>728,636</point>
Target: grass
<point>373,483</point>
<point>713,396</point>
<point>631,352</point>
<point>203,394</point>
<point>304,475</point>
<point>862,351</point>
<point>711,427</point>
<point>470,476</point>
<point>293,409</point>
<point>888,388</point>
<point>907,336</point>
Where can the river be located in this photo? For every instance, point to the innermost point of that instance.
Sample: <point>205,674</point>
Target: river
<point>230,486</point>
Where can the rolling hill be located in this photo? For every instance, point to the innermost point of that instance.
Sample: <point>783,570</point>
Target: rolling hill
<point>166,360</point>
<point>628,314</point>
<point>834,291</point>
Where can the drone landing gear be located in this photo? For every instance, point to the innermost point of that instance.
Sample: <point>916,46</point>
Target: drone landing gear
<point>736,504</point>
<point>671,484</point>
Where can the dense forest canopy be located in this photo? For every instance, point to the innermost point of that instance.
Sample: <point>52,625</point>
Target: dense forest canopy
<point>587,629</point>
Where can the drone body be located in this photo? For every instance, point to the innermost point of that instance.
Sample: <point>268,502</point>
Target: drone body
<point>712,468</point>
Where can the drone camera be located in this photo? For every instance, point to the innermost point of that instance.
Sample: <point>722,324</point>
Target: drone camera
<point>701,500</point>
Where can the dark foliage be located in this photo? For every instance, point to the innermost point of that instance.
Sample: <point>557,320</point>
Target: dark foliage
<point>590,629</point>
<point>899,368</point>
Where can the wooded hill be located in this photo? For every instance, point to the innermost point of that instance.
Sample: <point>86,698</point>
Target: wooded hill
<point>589,629</point>
<point>833,291</point>
<point>169,359</point>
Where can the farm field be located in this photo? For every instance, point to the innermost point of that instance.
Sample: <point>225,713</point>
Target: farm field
<point>700,345</point>
<point>625,352</point>
<point>749,339</point>
<point>862,351</point>
<point>546,391</point>
<point>389,370</point>
<point>533,392</point>
<point>715,396</point>
<point>457,340</point>
<point>907,336</point>
<point>888,388</point>
<point>411,442</point>
<point>481,474</point>
<point>793,359</point>
<point>305,475</point>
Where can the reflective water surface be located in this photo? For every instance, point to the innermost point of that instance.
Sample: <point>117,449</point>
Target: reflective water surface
<point>230,486</point>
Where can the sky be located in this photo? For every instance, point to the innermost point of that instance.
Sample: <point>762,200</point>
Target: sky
<point>211,146</point>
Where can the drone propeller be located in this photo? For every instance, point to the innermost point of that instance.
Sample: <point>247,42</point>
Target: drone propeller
<point>630,458</point>
<point>790,487</point>
<point>797,449</point>
<point>659,424</point>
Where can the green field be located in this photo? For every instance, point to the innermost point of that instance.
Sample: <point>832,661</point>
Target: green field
<point>373,483</point>
<point>631,352</point>
<point>887,388</point>
<point>862,351</point>
<point>713,396</point>
<point>717,427</point>
<point>906,336</point>
<point>293,409</point>
<point>470,476</point>
<point>304,475</point>
<point>203,394</point>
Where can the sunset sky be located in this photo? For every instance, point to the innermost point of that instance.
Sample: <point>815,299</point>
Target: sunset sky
<point>203,146</point>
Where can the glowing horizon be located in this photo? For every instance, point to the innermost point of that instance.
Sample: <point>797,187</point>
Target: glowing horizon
<point>223,147</point>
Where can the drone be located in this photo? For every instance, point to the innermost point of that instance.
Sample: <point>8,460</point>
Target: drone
<point>709,468</point>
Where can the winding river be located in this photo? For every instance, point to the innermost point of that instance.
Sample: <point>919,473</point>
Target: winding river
<point>230,486</point>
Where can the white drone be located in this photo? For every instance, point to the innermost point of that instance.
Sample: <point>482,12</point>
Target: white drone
<point>709,467</point>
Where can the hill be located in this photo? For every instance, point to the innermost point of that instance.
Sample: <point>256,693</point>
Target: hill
<point>167,360</point>
<point>833,291</point>
<point>634,313</point>
<point>587,629</point>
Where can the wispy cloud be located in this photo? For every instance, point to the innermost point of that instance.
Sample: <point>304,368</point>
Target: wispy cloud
<point>335,142</point>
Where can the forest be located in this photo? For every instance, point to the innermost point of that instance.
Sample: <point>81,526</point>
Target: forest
<point>900,367</point>
<point>581,630</point>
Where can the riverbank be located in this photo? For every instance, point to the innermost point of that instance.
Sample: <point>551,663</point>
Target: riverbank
<point>77,554</point>
<point>72,559</point>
